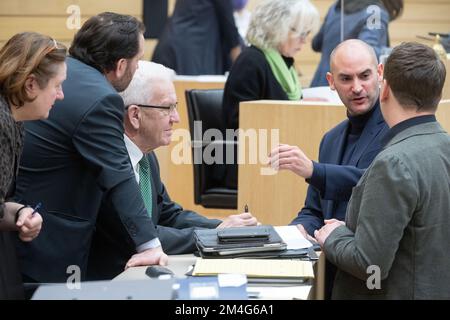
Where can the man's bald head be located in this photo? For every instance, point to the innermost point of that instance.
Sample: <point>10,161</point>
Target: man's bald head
<point>355,75</point>
<point>347,50</point>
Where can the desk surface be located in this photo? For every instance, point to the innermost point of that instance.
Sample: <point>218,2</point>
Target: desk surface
<point>180,264</point>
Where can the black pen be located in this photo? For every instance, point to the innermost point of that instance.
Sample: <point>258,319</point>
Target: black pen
<point>36,208</point>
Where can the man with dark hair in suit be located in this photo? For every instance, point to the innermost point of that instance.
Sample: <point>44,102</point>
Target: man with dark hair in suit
<point>77,158</point>
<point>393,244</point>
<point>150,102</point>
<point>347,149</point>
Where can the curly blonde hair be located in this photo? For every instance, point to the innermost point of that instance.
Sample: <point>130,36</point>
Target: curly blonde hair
<point>272,21</point>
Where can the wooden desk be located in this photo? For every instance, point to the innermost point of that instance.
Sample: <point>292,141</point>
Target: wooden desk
<point>443,114</point>
<point>276,199</point>
<point>179,264</point>
<point>178,178</point>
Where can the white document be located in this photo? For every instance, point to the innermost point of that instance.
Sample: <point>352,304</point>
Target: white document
<point>231,279</point>
<point>202,78</point>
<point>322,92</point>
<point>292,237</point>
<point>280,293</point>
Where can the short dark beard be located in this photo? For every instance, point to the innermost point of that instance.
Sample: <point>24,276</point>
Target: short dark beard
<point>123,83</point>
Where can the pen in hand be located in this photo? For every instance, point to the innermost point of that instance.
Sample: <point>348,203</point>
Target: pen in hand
<point>246,211</point>
<point>29,227</point>
<point>36,208</point>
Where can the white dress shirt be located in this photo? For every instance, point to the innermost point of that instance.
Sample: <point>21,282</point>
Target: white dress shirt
<point>135,156</point>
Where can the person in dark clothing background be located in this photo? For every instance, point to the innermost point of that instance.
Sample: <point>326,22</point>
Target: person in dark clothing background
<point>366,20</point>
<point>199,38</point>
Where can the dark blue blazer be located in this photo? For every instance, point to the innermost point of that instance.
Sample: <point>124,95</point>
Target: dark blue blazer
<point>198,38</point>
<point>71,162</point>
<point>331,185</point>
<point>175,227</point>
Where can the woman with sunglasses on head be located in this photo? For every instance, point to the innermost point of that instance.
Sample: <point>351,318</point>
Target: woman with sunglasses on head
<point>32,69</point>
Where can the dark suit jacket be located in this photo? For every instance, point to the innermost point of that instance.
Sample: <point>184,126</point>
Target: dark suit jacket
<point>331,185</point>
<point>198,38</point>
<point>328,193</point>
<point>175,228</point>
<point>70,163</point>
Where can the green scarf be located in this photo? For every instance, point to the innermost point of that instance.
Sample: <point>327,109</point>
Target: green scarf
<point>287,78</point>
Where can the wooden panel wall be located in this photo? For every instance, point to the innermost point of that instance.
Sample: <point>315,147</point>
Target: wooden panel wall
<point>50,16</point>
<point>276,199</point>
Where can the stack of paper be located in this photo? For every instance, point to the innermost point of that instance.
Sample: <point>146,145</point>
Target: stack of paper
<point>255,268</point>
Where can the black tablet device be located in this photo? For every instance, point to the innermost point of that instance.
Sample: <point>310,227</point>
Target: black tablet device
<point>243,234</point>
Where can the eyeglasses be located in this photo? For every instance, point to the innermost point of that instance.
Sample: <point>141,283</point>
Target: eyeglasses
<point>166,110</point>
<point>302,35</point>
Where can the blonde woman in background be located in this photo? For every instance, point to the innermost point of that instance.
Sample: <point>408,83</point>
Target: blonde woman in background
<point>265,70</point>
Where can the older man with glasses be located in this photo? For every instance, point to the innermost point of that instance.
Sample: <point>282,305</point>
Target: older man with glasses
<point>151,111</point>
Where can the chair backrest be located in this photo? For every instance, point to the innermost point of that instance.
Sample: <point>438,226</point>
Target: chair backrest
<point>206,106</point>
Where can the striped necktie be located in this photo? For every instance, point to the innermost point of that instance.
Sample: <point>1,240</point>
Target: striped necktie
<point>145,184</point>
